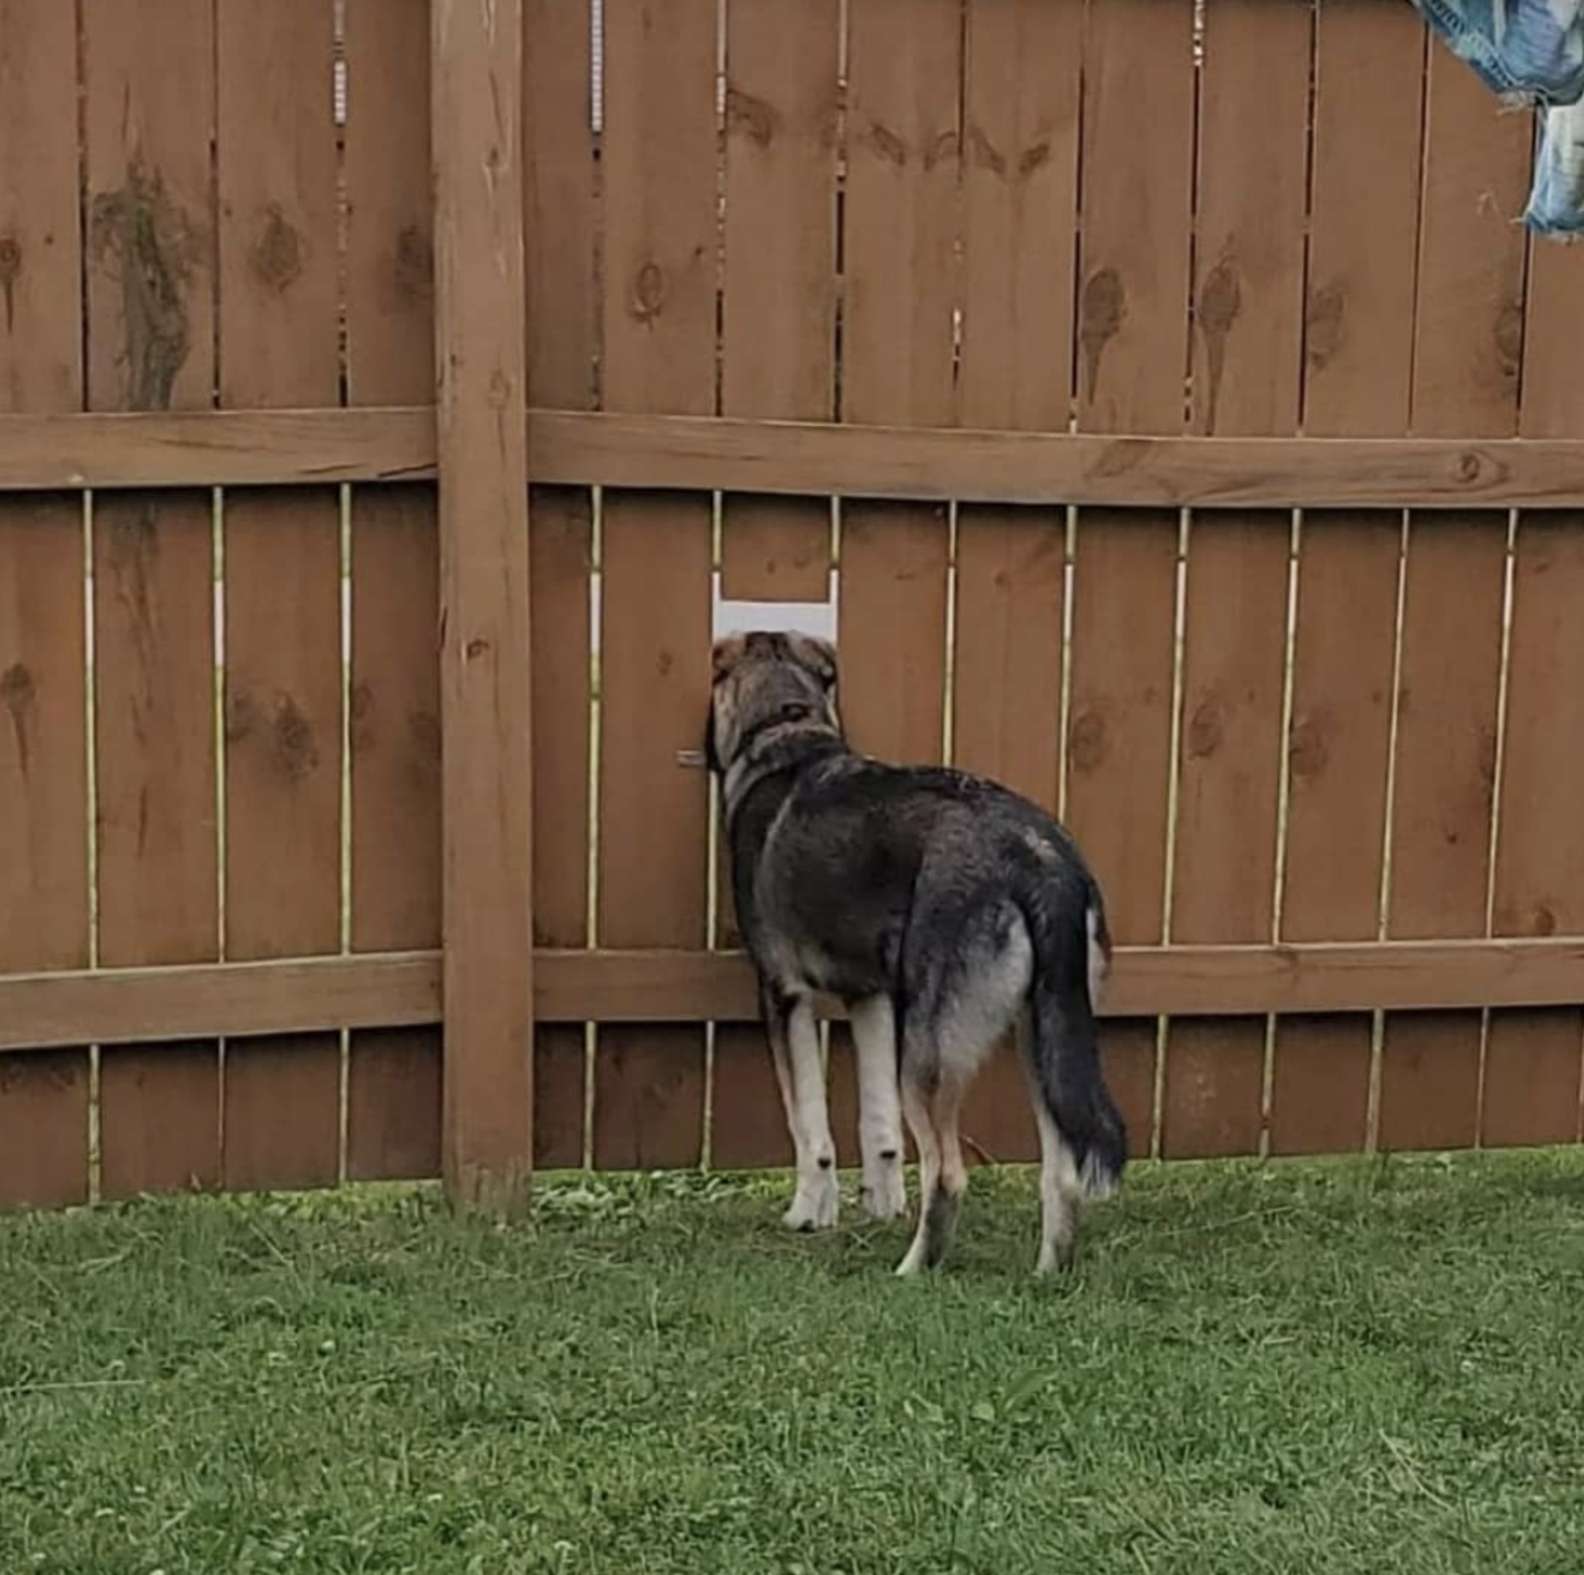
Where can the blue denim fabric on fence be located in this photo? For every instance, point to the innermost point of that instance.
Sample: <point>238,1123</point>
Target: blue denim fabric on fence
<point>1530,52</point>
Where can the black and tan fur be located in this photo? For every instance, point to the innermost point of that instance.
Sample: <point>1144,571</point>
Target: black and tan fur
<point>943,910</point>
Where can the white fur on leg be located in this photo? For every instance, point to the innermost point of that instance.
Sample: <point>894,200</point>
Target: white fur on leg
<point>929,1175</point>
<point>1059,1193</point>
<point>879,1108</point>
<point>815,1202</point>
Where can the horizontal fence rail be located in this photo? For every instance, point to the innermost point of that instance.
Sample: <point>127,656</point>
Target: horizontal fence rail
<point>286,447</point>
<point>127,1006</point>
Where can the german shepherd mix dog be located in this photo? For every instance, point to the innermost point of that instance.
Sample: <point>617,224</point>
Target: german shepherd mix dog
<point>943,910</point>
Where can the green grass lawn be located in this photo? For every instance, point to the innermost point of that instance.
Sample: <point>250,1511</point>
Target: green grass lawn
<point>1367,1366</point>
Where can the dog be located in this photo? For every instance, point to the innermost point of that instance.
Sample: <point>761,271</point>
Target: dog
<point>943,910</point>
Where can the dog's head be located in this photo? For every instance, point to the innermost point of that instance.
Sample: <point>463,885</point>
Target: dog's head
<point>766,680</point>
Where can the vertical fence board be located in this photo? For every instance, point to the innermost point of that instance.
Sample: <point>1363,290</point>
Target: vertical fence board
<point>40,240</point>
<point>1248,270</point>
<point>1224,882</point>
<point>558,203</point>
<point>1369,96</point>
<point>1532,1064</point>
<point>1020,192</point>
<point>1528,1054</point>
<point>43,755</point>
<point>1248,265</point>
<point>1551,404</point>
<point>393,1081</point>
<point>1468,318</point>
<point>390,204</point>
<point>278,347</point>
<point>1337,752</point>
<point>394,1095</point>
<point>43,833</point>
<point>904,58</point>
<point>777,362</point>
<point>655,625</point>
<point>1133,295</point>
<point>1446,760</point>
<point>559,240</point>
<point>477,86</point>
<point>1019,173</point>
<point>659,355</point>
<point>151,232</point>
<point>560,543</point>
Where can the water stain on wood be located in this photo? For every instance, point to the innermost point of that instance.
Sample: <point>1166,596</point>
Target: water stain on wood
<point>10,271</point>
<point>1101,315</point>
<point>1220,303</point>
<point>147,244</point>
<point>278,253</point>
<point>18,695</point>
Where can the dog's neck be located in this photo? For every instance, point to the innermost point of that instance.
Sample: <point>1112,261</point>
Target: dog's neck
<point>776,746</point>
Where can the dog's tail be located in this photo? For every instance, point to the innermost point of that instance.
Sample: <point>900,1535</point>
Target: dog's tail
<point>1072,952</point>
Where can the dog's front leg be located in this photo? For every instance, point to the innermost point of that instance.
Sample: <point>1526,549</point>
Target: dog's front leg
<point>794,1044</point>
<point>879,1108</point>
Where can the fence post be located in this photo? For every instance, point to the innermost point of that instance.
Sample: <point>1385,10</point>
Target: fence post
<point>480,368</point>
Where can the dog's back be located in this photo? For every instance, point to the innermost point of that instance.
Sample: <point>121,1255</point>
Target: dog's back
<point>942,908</point>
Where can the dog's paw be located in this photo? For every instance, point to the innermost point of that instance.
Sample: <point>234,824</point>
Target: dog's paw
<point>814,1206</point>
<point>885,1193</point>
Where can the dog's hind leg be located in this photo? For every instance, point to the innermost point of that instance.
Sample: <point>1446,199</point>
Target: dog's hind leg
<point>815,1202</point>
<point>932,1118</point>
<point>879,1107</point>
<point>1061,1192</point>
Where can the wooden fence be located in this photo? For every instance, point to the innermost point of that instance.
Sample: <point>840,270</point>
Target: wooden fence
<point>1208,444</point>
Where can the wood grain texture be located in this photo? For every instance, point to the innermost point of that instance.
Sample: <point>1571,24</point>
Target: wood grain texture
<point>1249,256</point>
<point>892,630</point>
<point>779,304</point>
<point>255,448</point>
<point>559,215</point>
<point>658,158</point>
<point>394,1098</point>
<point>1550,403</point>
<point>283,724</point>
<point>1337,753</point>
<point>1534,1060</point>
<point>282,1118</point>
<point>41,254</point>
<point>390,204</point>
<point>668,985</point>
<point>136,1005</point>
<point>1133,289</point>
<point>659,314</point>
<point>43,753</point>
<point>1228,782</point>
<point>1441,813</point>
<point>902,210</point>
<point>159,1118</point>
<point>44,1130</point>
<point>43,767</point>
<point>1468,314</point>
<point>486,680</point>
<point>1358,330</point>
<point>1019,194</point>
<point>279,346</point>
<point>1119,734</point>
<point>1007,677</point>
<point>395,727</point>
<point>155,727</point>
<point>149,203</point>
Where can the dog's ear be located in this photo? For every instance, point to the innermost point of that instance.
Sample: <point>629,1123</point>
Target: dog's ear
<point>814,655</point>
<point>726,654</point>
